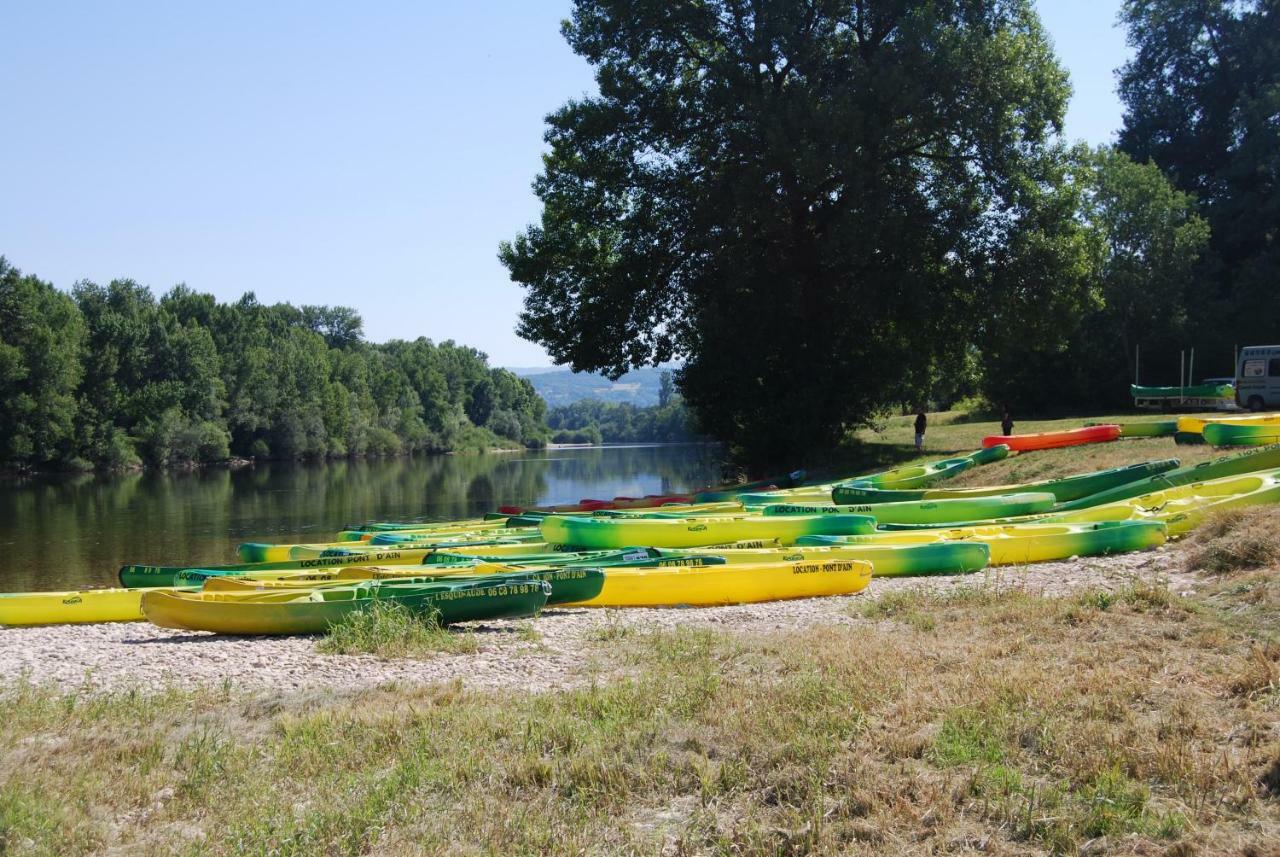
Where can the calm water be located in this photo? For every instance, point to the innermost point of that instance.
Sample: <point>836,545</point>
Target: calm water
<point>73,532</point>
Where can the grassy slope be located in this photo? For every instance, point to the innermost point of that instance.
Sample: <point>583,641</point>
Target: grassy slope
<point>1011,723</point>
<point>892,444</point>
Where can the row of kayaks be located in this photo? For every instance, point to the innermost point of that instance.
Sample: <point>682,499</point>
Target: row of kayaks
<point>758,545</point>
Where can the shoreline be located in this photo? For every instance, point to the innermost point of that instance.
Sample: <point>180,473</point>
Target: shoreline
<point>561,649</point>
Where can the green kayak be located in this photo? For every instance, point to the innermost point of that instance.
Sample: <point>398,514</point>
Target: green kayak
<point>140,576</point>
<point>315,611</point>
<point>1200,391</point>
<point>1164,428</point>
<point>1265,458</point>
<point>886,560</point>
<point>1228,434</point>
<point>1063,489</point>
<point>951,511</point>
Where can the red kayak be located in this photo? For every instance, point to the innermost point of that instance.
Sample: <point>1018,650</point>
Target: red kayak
<point>596,505</point>
<point>1054,439</point>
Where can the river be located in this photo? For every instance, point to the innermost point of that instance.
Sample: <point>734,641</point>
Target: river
<point>72,532</point>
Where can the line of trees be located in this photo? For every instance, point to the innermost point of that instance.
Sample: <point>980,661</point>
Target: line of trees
<point>111,376</point>
<point>829,209</point>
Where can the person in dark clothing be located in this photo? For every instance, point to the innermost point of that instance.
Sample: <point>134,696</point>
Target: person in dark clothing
<point>921,423</point>
<point>1006,424</point>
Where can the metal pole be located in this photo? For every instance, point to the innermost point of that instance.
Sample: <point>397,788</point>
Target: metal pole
<point>1137,363</point>
<point>1182,375</point>
<point>1191,370</point>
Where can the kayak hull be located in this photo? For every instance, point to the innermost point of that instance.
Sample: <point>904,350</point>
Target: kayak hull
<point>1055,439</point>
<point>714,586</point>
<point>597,533</point>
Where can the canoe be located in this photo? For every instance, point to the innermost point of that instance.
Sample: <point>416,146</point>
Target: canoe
<point>950,511</point>
<point>1055,439</point>
<point>695,532</point>
<point>1184,507</point>
<point>730,584</point>
<point>568,584</point>
<point>1018,544</point>
<point>68,608</point>
<point>886,560</point>
<point>1163,428</point>
<point>315,611</point>
<point>1231,434</point>
<point>1199,391</point>
<point>258,552</point>
<point>1252,461</point>
<point>1063,489</point>
<point>1195,425</point>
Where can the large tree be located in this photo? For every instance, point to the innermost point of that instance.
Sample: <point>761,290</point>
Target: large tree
<point>1202,98</point>
<point>807,201</point>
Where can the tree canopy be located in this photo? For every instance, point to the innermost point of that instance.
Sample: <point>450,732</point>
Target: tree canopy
<point>811,203</point>
<point>1202,101</point>
<point>109,375</point>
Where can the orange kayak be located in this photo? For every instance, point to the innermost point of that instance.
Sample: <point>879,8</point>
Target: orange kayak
<point>1055,439</point>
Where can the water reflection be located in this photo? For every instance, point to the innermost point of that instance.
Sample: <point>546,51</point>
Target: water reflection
<point>70,532</point>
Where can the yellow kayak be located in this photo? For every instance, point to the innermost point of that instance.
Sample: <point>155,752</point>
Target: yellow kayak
<point>1195,425</point>
<point>886,560</point>
<point>718,585</point>
<point>349,575</point>
<point>1185,507</point>
<point>77,607</point>
<point>1019,544</point>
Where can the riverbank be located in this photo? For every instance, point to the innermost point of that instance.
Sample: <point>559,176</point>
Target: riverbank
<point>1119,705</point>
<point>560,649</point>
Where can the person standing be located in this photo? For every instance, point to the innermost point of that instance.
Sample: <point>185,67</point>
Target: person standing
<point>921,423</point>
<point>1006,424</point>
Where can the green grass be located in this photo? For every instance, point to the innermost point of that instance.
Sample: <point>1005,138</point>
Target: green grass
<point>392,631</point>
<point>1150,724</point>
<point>891,444</point>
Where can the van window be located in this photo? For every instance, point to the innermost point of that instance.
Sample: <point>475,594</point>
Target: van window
<point>1254,369</point>
<point>1275,367</point>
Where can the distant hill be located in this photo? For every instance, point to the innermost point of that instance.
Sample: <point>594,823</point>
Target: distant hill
<point>562,387</point>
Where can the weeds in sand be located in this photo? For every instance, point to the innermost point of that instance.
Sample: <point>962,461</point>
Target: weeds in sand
<point>391,630</point>
<point>1237,540</point>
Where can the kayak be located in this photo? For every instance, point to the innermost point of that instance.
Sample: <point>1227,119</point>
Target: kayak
<point>1018,544</point>
<point>1163,428</point>
<point>257,552</point>
<point>1199,391</point>
<point>1184,507</point>
<point>646,502</point>
<point>1055,439</point>
<point>1195,425</point>
<point>695,532</point>
<point>568,584</point>
<point>730,584</point>
<point>1231,434</point>
<point>135,576</point>
<point>1252,461</point>
<point>731,492</point>
<point>67,608</point>
<point>886,560</point>
<point>315,611</point>
<point>949,511</point>
<point>1063,489</point>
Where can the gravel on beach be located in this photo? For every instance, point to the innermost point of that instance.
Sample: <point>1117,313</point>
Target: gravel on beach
<point>562,653</point>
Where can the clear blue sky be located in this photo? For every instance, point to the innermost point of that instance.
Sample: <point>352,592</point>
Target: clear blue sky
<point>368,155</point>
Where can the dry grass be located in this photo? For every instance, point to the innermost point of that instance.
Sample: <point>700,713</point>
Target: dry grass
<point>1237,540</point>
<point>389,630</point>
<point>1138,721</point>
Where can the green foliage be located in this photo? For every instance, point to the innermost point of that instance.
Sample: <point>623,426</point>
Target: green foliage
<point>593,421</point>
<point>811,204</point>
<point>389,630</point>
<point>41,341</point>
<point>1202,93</point>
<point>112,376</point>
<point>1139,241</point>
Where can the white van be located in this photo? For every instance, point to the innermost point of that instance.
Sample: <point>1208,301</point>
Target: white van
<point>1258,377</point>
